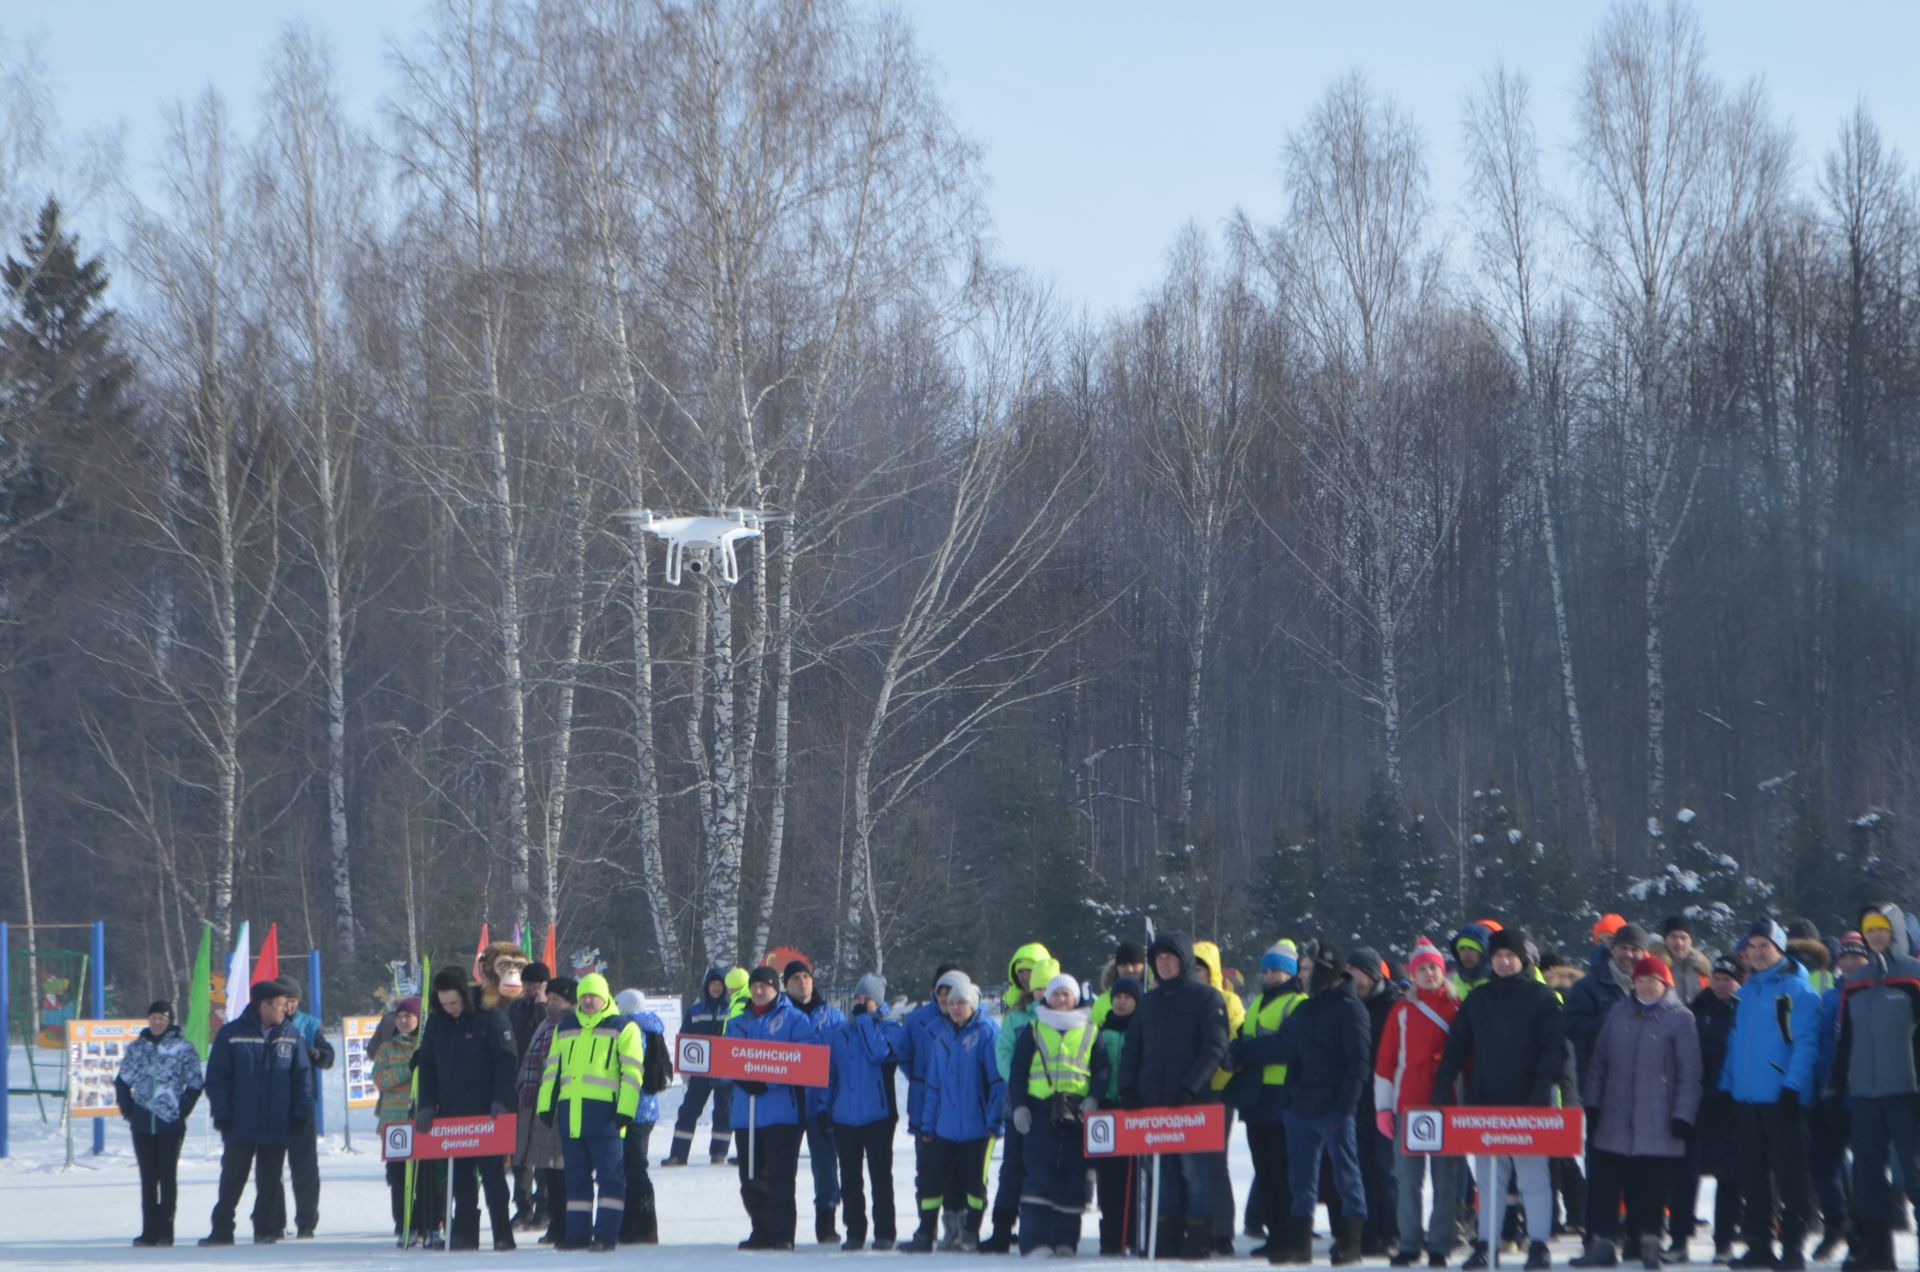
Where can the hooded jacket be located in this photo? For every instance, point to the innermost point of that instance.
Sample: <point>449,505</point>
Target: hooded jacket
<point>1029,956</point>
<point>1879,1031</point>
<point>1020,1003</point>
<point>914,1049</point>
<point>1207,955</point>
<point>1690,970</point>
<point>777,1105</point>
<point>1325,1044</point>
<point>1713,1018</point>
<point>707,1014</point>
<point>1589,1003</point>
<point>860,1080</point>
<point>1643,1075</point>
<point>1465,982</point>
<point>965,1096</point>
<point>159,1082</point>
<point>1775,1042</point>
<point>466,1062</point>
<point>1408,1057</point>
<point>257,1080</point>
<point>1510,1040</point>
<point>1178,1041</point>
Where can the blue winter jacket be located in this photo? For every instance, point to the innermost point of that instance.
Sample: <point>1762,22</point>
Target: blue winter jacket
<point>159,1082</point>
<point>915,1051</point>
<point>259,1081</point>
<point>965,1095</point>
<point>777,1105</point>
<point>655,1035</point>
<point>319,1050</point>
<point>1775,1043</point>
<point>706,1015</point>
<point>865,1056</point>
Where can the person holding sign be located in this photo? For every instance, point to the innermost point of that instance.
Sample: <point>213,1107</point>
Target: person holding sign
<point>1058,1064</point>
<point>258,1091</point>
<point>768,1120</point>
<point>960,1115</point>
<point>466,1070</point>
<point>1403,1068</point>
<point>1510,1040</point>
<point>158,1084</point>
<point>591,1092</point>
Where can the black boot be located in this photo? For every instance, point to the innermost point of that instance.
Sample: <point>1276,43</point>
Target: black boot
<point>1199,1244</point>
<point>1650,1252</point>
<point>1349,1235</point>
<point>1477,1260</point>
<point>923,1237</point>
<point>1293,1246</point>
<point>1170,1243</point>
<point>1537,1256</point>
<point>1002,1239</point>
<point>823,1229</point>
<point>1600,1253</point>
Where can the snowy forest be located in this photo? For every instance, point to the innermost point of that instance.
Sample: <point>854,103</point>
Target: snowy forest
<point>1405,554</point>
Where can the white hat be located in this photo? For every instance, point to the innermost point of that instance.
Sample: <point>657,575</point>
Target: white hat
<point>1066,982</point>
<point>631,1002</point>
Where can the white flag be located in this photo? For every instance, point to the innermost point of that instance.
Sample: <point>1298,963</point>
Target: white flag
<point>239,973</point>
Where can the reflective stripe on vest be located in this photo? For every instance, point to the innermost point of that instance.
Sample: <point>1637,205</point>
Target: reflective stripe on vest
<point>1061,1062</point>
<point>1265,1021</point>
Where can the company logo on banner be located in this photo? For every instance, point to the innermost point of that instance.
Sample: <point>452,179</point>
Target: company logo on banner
<point>1497,1131</point>
<point>752,1059</point>
<point>450,1137</point>
<point>1196,1128</point>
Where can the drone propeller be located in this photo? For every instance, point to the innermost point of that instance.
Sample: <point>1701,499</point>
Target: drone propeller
<point>642,515</point>
<point>735,512</point>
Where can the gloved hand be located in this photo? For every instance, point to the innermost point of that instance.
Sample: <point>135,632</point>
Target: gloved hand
<point>1023,1119</point>
<point>751,1088</point>
<point>858,1009</point>
<point>1681,1128</point>
<point>499,1109</point>
<point>1383,1122</point>
<point>222,1125</point>
<point>423,1119</point>
<point>622,1121</point>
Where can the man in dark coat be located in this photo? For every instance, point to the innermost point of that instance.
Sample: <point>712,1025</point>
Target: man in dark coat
<point>1327,1046</point>
<point>1510,1040</point>
<point>467,1069</point>
<point>259,1088</point>
<point>1377,994</point>
<point>1875,1066</point>
<point>1169,1058</point>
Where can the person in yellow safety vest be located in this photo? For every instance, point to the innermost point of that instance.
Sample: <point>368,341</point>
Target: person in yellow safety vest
<point>591,1091</point>
<point>1206,957</point>
<point>737,995</point>
<point>1281,991</point>
<point>1062,1066</point>
<point>1028,972</point>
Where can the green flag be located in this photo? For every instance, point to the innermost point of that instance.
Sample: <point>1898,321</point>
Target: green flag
<point>200,996</point>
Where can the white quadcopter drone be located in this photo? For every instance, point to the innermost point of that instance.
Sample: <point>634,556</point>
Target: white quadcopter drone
<point>704,543</point>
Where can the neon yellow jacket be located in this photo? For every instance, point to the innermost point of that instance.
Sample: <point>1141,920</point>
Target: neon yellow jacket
<point>1209,953</point>
<point>597,1057</point>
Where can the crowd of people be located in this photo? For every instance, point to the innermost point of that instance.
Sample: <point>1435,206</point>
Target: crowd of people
<point>1785,1069</point>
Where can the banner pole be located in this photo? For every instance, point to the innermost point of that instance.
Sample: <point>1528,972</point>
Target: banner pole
<point>1499,1208</point>
<point>1153,1215</point>
<point>448,1247</point>
<point>99,1013</point>
<point>753,1132</point>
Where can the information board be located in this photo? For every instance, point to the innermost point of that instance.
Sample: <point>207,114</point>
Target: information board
<point>751,1059</point>
<point>1193,1128</point>
<point>357,1068</point>
<point>94,1051</point>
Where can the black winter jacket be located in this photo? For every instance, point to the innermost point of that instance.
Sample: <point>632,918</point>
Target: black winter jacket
<point>1589,1002</point>
<point>1510,1039</point>
<point>1715,1021</point>
<point>258,1084</point>
<point>1326,1045</point>
<point>466,1062</point>
<point>1179,1038</point>
<point>1379,1005</point>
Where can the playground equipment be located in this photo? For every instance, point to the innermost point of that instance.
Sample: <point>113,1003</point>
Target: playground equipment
<point>52,998</point>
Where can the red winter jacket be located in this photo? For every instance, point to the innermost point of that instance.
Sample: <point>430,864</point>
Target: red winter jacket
<point>1410,1048</point>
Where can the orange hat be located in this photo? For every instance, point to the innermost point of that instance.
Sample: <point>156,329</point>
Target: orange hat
<point>1492,925</point>
<point>1607,926</point>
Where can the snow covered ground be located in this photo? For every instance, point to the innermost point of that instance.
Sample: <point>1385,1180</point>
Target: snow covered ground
<point>85,1217</point>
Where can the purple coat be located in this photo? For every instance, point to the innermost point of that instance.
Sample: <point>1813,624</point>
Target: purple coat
<point>1644,1075</point>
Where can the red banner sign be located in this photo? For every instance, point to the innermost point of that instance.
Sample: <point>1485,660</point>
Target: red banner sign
<point>1496,1131</point>
<point>751,1059</point>
<point>449,1137</point>
<point>1195,1128</point>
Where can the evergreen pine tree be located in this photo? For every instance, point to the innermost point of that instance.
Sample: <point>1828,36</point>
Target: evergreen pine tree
<point>1708,886</point>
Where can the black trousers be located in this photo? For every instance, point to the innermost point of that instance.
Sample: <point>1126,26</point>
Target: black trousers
<point>470,1174</point>
<point>1773,1146</point>
<point>159,1160</point>
<point>1268,1141</point>
<point>1644,1180</point>
<point>426,1197</point>
<point>263,1162</point>
<point>553,1187</point>
<point>641,1220</point>
<point>955,1176</point>
<point>1013,1178</point>
<point>768,1192</point>
<point>303,1163</point>
<point>871,1145</point>
<point>1120,1200</point>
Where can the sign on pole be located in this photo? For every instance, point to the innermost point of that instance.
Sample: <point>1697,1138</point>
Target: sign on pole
<point>357,1070</point>
<point>94,1051</point>
<point>1194,1128</point>
<point>1496,1131</point>
<point>484,1136</point>
<point>751,1059</point>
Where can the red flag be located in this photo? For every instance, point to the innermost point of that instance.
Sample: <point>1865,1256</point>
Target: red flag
<point>267,966</point>
<point>553,964</point>
<point>478,950</point>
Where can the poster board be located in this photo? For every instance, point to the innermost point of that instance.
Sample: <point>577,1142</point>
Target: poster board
<point>357,1067</point>
<point>95,1049</point>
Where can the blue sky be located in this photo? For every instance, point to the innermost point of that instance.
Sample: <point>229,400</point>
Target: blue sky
<point>1105,125</point>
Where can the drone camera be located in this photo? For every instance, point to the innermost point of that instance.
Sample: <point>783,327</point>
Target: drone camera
<point>695,565</point>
